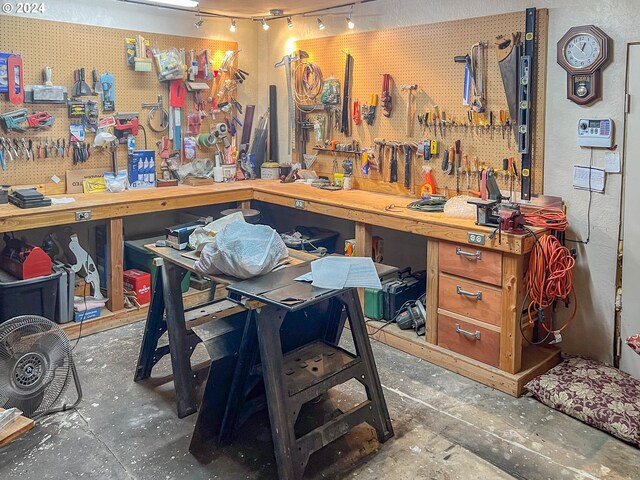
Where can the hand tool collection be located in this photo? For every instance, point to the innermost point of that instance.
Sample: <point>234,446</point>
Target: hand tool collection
<point>88,114</point>
<point>481,125</point>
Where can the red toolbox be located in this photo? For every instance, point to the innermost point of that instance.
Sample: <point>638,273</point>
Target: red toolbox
<point>23,260</point>
<point>138,282</point>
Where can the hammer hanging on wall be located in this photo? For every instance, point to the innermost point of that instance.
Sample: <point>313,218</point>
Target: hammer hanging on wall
<point>408,164</point>
<point>410,89</point>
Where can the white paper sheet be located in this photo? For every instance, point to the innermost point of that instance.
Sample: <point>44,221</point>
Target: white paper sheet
<point>307,277</point>
<point>581,178</point>
<point>343,272</point>
<point>612,162</point>
<point>362,273</point>
<point>329,273</point>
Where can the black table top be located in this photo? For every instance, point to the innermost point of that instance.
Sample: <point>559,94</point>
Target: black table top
<point>280,288</point>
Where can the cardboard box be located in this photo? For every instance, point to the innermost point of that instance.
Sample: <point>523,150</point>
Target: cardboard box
<point>87,314</point>
<point>141,168</point>
<point>178,235</point>
<point>138,282</point>
<point>4,82</point>
<point>74,178</point>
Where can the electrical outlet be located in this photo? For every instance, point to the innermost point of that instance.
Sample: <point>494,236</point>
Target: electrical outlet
<point>299,204</point>
<point>475,238</point>
<point>83,216</point>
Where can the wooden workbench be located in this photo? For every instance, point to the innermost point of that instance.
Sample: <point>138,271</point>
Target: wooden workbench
<point>505,256</point>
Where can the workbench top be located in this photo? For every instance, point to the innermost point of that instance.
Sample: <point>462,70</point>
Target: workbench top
<point>357,205</point>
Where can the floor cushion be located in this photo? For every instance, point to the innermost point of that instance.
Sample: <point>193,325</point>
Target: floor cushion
<point>599,395</point>
<point>634,342</point>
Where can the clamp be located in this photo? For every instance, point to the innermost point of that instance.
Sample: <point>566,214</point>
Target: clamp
<point>164,115</point>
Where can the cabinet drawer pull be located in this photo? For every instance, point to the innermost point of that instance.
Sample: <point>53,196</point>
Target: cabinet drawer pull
<point>475,335</point>
<point>466,293</point>
<point>469,255</point>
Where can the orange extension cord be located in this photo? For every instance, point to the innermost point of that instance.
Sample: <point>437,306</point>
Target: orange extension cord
<point>549,277</point>
<point>549,217</point>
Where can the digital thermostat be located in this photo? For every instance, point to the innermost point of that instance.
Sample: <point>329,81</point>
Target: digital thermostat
<point>595,132</point>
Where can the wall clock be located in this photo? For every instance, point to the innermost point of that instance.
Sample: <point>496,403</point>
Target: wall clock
<point>583,52</point>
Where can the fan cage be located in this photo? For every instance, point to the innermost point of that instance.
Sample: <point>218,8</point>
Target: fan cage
<point>35,364</point>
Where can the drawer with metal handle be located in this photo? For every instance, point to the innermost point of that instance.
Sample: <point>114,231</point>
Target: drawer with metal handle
<point>472,299</point>
<point>470,339</point>
<point>471,262</point>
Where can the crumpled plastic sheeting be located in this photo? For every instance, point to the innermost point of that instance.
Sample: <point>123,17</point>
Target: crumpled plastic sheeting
<point>242,250</point>
<point>202,235</point>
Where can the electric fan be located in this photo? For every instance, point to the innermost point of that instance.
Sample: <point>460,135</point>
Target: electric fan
<point>35,366</point>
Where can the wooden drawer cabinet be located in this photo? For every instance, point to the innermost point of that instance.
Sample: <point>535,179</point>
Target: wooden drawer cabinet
<point>471,262</point>
<point>471,299</point>
<point>473,340</point>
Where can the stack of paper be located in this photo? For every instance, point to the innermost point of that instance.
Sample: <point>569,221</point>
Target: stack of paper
<point>343,272</point>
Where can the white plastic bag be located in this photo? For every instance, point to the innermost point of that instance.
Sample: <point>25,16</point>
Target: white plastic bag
<point>243,250</point>
<point>202,235</point>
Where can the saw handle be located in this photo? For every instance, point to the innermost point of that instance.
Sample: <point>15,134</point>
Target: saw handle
<point>47,77</point>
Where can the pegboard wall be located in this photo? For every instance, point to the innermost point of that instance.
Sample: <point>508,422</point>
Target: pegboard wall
<point>424,55</point>
<point>66,47</point>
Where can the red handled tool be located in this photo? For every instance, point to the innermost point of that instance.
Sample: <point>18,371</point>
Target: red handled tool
<point>15,78</point>
<point>40,120</point>
<point>177,94</point>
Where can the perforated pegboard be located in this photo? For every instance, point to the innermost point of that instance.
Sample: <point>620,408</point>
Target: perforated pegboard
<point>424,55</point>
<point>66,47</point>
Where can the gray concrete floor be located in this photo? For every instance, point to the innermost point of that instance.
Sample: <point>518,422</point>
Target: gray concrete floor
<point>447,427</point>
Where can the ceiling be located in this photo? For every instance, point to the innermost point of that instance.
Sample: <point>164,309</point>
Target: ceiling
<point>259,8</point>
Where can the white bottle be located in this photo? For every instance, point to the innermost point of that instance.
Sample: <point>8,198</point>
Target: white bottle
<point>145,176</point>
<point>152,171</point>
<point>140,177</point>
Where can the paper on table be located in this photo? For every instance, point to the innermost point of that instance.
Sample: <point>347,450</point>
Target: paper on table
<point>307,277</point>
<point>62,200</point>
<point>343,272</point>
<point>362,273</point>
<point>588,178</point>
<point>328,273</point>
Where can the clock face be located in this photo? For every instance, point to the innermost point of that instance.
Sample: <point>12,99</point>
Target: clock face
<point>581,50</point>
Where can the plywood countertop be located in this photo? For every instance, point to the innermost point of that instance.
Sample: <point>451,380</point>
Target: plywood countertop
<point>357,205</point>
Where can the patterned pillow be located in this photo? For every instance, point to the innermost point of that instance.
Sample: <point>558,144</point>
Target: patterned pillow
<point>634,342</point>
<point>601,396</point>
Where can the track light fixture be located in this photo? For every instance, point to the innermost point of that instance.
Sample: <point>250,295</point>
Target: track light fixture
<point>232,28</point>
<point>320,24</point>
<point>178,3</point>
<point>265,25</point>
<point>289,22</point>
<point>350,23</point>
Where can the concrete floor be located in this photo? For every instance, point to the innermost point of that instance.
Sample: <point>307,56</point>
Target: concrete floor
<point>447,427</point>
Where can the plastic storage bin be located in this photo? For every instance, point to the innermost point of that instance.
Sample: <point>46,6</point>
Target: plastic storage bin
<point>312,238</point>
<point>35,296</point>
<point>136,256</point>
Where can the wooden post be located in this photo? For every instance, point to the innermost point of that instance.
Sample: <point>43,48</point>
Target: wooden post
<point>433,266</point>
<point>512,296</point>
<point>244,204</point>
<point>364,246</point>
<point>115,288</point>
